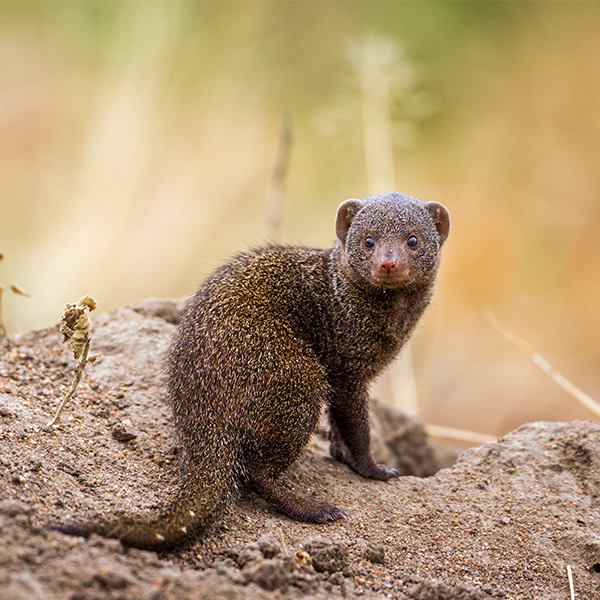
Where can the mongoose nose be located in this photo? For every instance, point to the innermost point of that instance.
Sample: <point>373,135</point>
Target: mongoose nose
<point>388,265</point>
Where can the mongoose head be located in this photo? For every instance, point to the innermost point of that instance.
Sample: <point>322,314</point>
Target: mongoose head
<point>392,241</point>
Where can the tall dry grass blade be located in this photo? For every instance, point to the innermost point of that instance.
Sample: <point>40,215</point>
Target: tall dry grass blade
<point>546,367</point>
<point>275,208</point>
<point>461,435</point>
<point>375,61</point>
<point>282,541</point>
<point>13,287</point>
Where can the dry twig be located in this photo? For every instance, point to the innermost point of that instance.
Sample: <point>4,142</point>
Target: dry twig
<point>75,326</point>
<point>546,367</point>
<point>13,287</point>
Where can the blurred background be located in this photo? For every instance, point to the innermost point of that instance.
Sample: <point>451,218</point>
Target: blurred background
<point>139,141</point>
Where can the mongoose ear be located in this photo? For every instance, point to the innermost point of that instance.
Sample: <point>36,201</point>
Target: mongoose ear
<point>441,218</point>
<point>345,215</point>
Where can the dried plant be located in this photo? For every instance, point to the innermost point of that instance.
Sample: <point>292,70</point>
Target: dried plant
<point>383,95</point>
<point>75,327</point>
<point>13,287</point>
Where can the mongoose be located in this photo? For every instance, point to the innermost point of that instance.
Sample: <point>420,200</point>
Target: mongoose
<point>272,337</point>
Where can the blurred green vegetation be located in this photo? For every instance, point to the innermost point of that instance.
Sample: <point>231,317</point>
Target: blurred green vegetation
<point>138,140</point>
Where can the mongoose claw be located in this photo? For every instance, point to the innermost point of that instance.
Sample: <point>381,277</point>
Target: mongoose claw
<point>333,514</point>
<point>391,471</point>
<point>324,513</point>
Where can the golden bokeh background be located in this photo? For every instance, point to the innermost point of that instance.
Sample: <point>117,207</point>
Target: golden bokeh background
<point>138,142</point>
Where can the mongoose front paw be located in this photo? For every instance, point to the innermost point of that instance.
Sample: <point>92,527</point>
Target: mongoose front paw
<point>366,468</point>
<point>380,472</point>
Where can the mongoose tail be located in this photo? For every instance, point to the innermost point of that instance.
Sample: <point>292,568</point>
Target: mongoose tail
<point>198,501</point>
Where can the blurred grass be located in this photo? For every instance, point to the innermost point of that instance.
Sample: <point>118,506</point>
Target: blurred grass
<point>137,142</point>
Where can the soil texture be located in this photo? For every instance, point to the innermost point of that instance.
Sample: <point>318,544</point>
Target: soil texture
<point>504,521</point>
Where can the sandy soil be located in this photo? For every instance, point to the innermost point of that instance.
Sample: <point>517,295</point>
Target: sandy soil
<point>504,521</point>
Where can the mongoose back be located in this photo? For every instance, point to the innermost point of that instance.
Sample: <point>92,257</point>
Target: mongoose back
<point>270,339</point>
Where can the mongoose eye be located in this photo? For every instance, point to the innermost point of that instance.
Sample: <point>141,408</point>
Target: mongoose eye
<point>412,241</point>
<point>369,242</point>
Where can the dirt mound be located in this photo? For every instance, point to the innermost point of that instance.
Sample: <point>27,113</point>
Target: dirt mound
<point>503,522</point>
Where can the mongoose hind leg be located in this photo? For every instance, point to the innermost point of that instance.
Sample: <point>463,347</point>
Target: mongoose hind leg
<point>297,507</point>
<point>349,441</point>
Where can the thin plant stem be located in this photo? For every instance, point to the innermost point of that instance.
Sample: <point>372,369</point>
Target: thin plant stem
<point>78,374</point>
<point>570,576</point>
<point>275,209</point>
<point>546,367</point>
<point>2,327</point>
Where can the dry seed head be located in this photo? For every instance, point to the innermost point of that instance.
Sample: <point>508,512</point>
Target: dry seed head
<point>75,324</point>
<point>88,302</point>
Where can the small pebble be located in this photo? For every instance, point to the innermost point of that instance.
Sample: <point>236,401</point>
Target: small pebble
<point>375,554</point>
